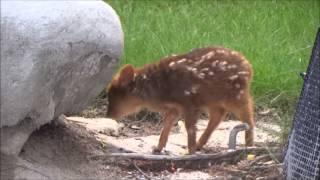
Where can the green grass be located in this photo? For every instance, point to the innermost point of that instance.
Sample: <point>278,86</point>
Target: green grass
<point>276,36</point>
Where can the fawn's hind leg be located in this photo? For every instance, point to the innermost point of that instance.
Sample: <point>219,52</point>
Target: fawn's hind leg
<point>169,119</point>
<point>245,113</point>
<point>216,115</point>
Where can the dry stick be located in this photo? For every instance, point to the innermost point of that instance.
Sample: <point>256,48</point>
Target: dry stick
<point>267,166</point>
<point>265,157</point>
<point>193,157</point>
<point>260,158</point>
<point>143,173</point>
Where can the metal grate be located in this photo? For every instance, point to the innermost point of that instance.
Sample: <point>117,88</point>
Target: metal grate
<point>302,159</point>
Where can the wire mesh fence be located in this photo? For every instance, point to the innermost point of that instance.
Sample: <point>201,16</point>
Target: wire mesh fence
<point>302,159</point>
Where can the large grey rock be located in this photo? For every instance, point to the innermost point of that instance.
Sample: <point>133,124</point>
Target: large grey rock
<point>56,56</point>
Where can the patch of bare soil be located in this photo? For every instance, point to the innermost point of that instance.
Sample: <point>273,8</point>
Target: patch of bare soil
<point>60,151</point>
<point>176,146</point>
<point>64,150</point>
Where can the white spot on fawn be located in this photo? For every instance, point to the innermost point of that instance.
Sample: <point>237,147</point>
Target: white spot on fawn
<point>194,70</point>
<point>144,76</point>
<point>199,62</point>
<point>211,73</point>
<point>182,60</point>
<point>233,77</point>
<point>222,65</point>
<point>214,63</point>
<point>172,64</point>
<point>187,93</point>
<point>204,69</point>
<point>237,85</point>
<point>223,68</point>
<point>244,62</point>
<point>208,55</point>
<point>243,72</point>
<point>201,75</point>
<point>221,51</point>
<point>232,66</point>
<point>238,96</point>
<point>194,89</point>
<point>241,91</point>
<point>234,53</point>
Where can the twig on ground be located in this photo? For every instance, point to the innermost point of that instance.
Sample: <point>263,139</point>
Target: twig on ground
<point>143,173</point>
<point>267,166</point>
<point>266,157</point>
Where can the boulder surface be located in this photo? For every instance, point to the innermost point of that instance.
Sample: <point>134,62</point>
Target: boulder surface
<point>56,56</point>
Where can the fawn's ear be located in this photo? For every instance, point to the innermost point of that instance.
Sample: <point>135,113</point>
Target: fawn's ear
<point>126,75</point>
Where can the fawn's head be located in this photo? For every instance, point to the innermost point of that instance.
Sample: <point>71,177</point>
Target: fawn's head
<point>122,101</point>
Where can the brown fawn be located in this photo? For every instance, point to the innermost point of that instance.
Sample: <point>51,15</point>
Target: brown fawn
<point>213,79</point>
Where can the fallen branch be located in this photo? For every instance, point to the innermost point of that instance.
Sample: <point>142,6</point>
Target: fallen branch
<point>194,157</point>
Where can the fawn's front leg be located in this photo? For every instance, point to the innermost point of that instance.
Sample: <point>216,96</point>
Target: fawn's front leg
<point>190,124</point>
<point>169,119</point>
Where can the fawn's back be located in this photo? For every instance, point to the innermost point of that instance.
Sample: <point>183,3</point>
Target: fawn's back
<point>202,77</point>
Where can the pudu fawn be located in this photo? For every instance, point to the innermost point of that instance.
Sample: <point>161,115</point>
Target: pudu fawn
<point>213,79</point>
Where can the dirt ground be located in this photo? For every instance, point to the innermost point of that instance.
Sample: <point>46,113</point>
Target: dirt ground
<point>62,151</point>
<point>137,138</point>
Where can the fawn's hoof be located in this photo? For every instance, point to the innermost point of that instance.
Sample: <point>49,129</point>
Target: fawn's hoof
<point>156,150</point>
<point>191,151</point>
<point>199,148</point>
